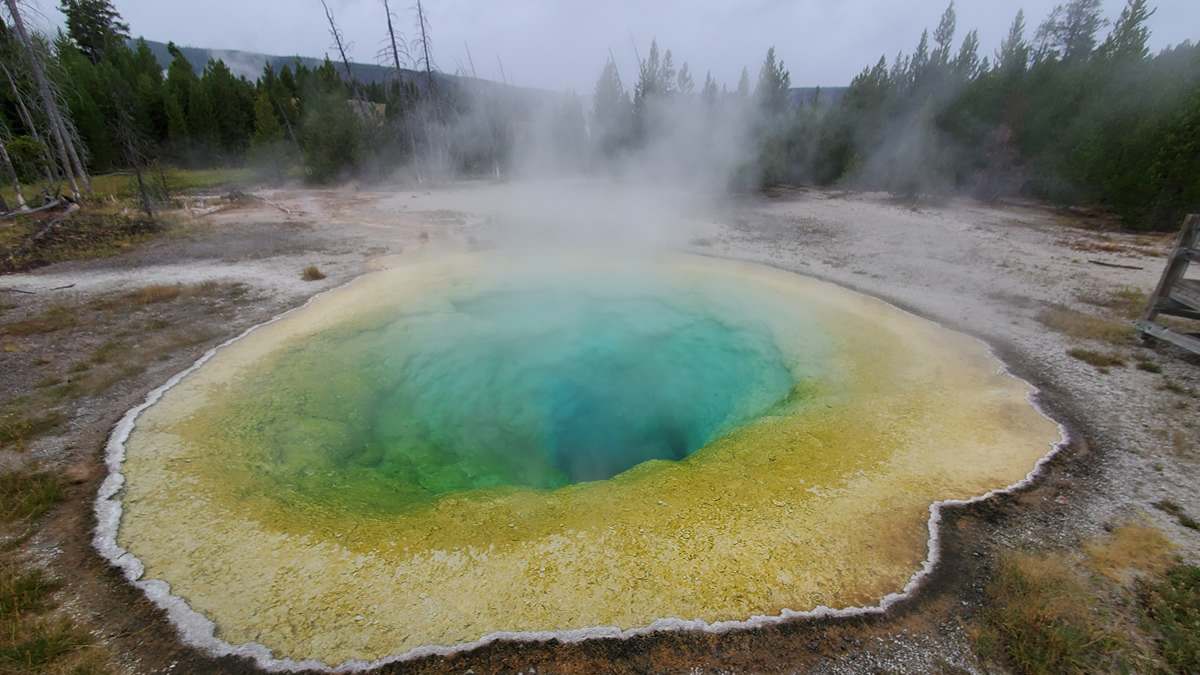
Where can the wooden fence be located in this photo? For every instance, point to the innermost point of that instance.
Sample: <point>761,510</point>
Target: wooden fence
<point>1176,295</point>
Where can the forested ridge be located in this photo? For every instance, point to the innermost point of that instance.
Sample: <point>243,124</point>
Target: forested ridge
<point>1075,110</point>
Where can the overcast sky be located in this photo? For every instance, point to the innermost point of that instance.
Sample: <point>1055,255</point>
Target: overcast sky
<point>561,44</point>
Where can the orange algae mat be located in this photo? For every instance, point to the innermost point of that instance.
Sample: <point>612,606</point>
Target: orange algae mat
<point>818,496</point>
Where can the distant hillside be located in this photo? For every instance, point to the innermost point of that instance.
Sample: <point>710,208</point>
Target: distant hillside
<point>250,64</point>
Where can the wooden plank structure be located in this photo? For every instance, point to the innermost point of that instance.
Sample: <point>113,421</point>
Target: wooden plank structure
<point>1175,295</point>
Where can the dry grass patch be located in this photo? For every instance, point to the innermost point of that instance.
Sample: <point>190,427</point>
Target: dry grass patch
<point>156,293</point>
<point>1131,550</point>
<point>1176,510</point>
<point>107,352</point>
<point>1043,618</point>
<point>1173,606</point>
<point>1149,366</point>
<point>1129,302</point>
<point>87,234</point>
<point>1101,361</point>
<point>28,495</point>
<point>1068,612</point>
<point>1085,326</point>
<point>32,638</point>
<point>1176,388</point>
<point>56,317</point>
<point>16,427</point>
<point>99,381</point>
<point>204,288</point>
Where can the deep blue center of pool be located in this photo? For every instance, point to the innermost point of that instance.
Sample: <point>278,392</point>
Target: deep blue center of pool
<point>546,388</point>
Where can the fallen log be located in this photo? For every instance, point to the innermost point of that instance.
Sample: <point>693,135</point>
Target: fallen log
<point>50,225</point>
<point>1108,264</point>
<point>27,212</point>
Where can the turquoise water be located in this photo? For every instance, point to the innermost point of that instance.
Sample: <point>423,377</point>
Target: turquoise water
<point>528,387</point>
<point>543,389</point>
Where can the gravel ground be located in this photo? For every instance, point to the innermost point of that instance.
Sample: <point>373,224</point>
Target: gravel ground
<point>1000,273</point>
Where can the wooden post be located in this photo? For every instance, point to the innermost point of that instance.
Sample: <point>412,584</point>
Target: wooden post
<point>1177,264</point>
<point>1176,295</point>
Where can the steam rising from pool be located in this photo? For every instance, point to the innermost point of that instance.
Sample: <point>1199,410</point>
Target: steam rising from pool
<point>484,443</point>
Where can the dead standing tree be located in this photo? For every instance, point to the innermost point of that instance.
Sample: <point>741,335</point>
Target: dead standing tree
<point>435,130</point>
<point>49,167</point>
<point>131,141</point>
<point>8,166</point>
<point>426,59</point>
<point>402,102</point>
<point>341,47</point>
<point>68,158</point>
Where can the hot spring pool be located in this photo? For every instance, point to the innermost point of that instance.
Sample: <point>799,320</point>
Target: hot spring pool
<point>478,444</point>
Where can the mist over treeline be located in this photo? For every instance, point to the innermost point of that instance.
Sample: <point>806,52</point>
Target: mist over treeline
<point>1074,110</point>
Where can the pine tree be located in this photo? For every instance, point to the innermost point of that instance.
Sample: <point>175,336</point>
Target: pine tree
<point>201,126</point>
<point>1013,56</point>
<point>684,83</point>
<point>773,129</point>
<point>178,86</point>
<point>743,88</point>
<point>709,95</point>
<point>231,104</point>
<point>773,84</point>
<point>966,64</point>
<point>332,138</point>
<point>656,82</point>
<point>611,112</point>
<point>1069,33</point>
<point>267,128</point>
<point>943,37</point>
<point>1127,41</point>
<point>90,23</point>
<point>918,64</point>
<point>268,147</point>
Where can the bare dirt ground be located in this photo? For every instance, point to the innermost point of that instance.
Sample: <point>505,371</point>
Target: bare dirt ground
<point>90,339</point>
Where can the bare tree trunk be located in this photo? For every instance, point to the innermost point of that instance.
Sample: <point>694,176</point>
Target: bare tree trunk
<point>12,174</point>
<point>491,131</point>
<point>162,180</point>
<point>147,205</point>
<point>51,168</point>
<point>8,166</point>
<point>429,81</point>
<point>291,134</point>
<point>51,108</point>
<point>133,154</point>
<point>337,39</point>
<point>70,133</point>
<point>412,141</point>
<point>437,135</point>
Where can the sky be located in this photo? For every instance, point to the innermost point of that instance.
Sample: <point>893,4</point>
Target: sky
<point>563,44</point>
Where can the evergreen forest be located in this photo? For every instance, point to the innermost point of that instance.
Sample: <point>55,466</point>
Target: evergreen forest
<point>1074,110</point>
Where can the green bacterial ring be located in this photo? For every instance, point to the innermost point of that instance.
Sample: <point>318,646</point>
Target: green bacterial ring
<point>481,448</point>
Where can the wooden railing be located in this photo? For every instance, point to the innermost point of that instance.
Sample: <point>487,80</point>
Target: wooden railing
<point>1176,295</point>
